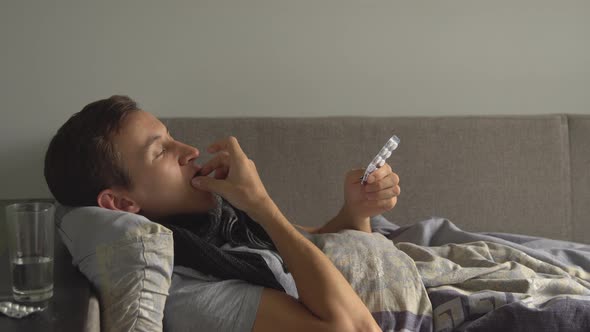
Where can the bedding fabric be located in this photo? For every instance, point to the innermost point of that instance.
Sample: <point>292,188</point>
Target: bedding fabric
<point>498,282</point>
<point>384,277</point>
<point>430,276</point>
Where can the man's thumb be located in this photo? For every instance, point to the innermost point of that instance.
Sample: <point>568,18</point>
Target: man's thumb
<point>354,174</point>
<point>208,184</point>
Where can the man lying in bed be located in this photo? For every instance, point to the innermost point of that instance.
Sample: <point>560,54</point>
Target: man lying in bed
<point>114,155</point>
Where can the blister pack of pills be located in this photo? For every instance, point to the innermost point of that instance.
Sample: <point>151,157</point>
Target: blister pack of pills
<point>381,157</point>
<point>18,310</point>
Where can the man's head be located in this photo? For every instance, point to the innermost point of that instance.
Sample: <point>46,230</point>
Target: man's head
<point>114,155</point>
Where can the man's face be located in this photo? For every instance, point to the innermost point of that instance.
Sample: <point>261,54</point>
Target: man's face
<point>161,168</point>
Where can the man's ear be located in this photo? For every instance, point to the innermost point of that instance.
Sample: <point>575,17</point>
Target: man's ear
<point>116,200</point>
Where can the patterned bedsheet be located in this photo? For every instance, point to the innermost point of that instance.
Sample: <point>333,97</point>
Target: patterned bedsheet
<point>433,276</point>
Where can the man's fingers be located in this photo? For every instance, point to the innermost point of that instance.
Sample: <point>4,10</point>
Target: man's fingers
<point>379,186</point>
<point>221,173</point>
<point>379,173</point>
<point>221,160</point>
<point>229,144</point>
<point>384,204</point>
<point>210,184</point>
<point>391,180</point>
<point>384,194</point>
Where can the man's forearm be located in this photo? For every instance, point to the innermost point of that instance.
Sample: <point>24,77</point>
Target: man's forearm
<point>321,287</point>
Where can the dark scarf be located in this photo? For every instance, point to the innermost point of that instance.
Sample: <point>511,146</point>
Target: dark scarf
<point>197,239</point>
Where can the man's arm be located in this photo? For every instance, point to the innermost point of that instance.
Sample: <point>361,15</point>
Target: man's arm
<point>327,302</point>
<point>330,302</point>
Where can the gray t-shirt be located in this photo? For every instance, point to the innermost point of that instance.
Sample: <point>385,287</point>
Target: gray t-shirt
<point>206,303</point>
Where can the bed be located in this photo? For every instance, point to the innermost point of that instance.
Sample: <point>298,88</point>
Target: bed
<point>498,182</point>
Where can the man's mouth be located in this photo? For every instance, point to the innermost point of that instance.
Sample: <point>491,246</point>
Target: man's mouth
<point>197,173</point>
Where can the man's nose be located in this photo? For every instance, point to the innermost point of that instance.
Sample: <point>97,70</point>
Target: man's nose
<point>188,153</point>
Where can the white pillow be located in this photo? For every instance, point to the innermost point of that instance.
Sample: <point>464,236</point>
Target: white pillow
<point>128,259</point>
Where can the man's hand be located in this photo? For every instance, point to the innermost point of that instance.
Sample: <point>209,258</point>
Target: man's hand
<point>363,201</point>
<point>378,195</point>
<point>236,178</point>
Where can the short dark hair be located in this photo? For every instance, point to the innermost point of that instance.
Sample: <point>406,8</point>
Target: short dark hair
<point>81,159</point>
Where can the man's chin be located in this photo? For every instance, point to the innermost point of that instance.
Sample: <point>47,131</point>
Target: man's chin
<point>204,201</point>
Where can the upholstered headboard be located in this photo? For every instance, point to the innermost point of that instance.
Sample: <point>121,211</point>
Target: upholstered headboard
<point>517,174</point>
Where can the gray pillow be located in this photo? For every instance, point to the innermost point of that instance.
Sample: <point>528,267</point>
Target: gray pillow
<point>128,259</point>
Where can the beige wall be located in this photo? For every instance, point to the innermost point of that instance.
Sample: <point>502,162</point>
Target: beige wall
<point>282,58</point>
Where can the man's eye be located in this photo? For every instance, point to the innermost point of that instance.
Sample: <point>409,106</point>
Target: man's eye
<point>161,153</point>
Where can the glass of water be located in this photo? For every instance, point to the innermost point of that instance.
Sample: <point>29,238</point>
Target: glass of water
<point>30,247</point>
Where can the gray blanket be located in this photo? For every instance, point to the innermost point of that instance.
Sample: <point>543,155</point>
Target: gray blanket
<point>432,276</point>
